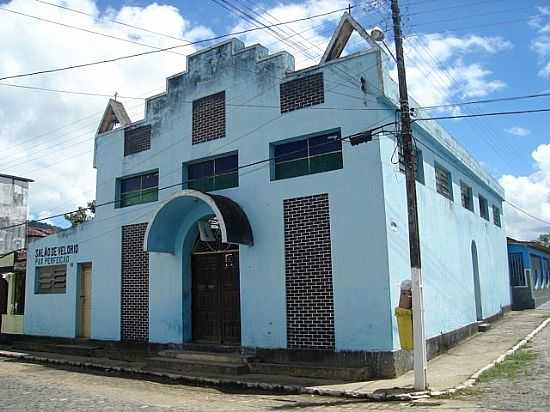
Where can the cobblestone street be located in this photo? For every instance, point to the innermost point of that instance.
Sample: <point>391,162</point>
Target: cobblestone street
<point>32,387</point>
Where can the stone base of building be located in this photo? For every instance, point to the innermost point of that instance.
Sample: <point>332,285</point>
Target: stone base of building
<point>346,365</point>
<point>12,324</point>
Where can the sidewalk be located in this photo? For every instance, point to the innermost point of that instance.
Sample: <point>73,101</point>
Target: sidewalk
<point>445,372</point>
<point>452,369</point>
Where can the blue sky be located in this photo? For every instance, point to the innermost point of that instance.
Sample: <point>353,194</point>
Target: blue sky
<point>455,51</point>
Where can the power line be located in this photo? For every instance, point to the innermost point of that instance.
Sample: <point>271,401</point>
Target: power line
<point>464,116</point>
<point>114,21</point>
<point>80,93</point>
<point>467,16</point>
<point>479,26</point>
<point>109,36</point>
<point>437,106</point>
<point>500,99</point>
<point>527,213</point>
<point>119,58</point>
<point>178,184</point>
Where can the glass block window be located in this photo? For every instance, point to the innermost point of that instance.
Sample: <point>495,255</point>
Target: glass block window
<point>483,208</point>
<point>208,122</point>
<point>137,140</point>
<point>443,181</point>
<point>496,216</point>
<point>51,279</point>
<point>307,156</point>
<point>138,189</point>
<point>302,92</point>
<point>467,196</point>
<point>214,174</point>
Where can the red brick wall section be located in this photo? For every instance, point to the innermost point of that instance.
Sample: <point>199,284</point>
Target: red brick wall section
<point>137,140</point>
<point>303,92</point>
<point>134,309</point>
<point>309,291</point>
<point>208,118</point>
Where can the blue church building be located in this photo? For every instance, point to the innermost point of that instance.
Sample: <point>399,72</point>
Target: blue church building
<point>237,214</point>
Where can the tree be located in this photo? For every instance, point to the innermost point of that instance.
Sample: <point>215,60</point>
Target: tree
<point>82,214</point>
<point>545,238</point>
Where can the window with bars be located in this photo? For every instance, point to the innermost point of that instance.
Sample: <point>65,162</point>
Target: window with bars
<point>536,266</point>
<point>496,216</point>
<point>213,174</point>
<point>483,208</point>
<point>138,189</point>
<point>517,273</point>
<point>320,153</point>
<point>467,196</point>
<point>51,279</point>
<point>443,181</point>
<point>137,140</point>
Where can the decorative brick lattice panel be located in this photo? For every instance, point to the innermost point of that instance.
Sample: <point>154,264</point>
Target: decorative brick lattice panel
<point>303,92</point>
<point>137,140</point>
<point>209,118</point>
<point>134,309</point>
<point>309,292</point>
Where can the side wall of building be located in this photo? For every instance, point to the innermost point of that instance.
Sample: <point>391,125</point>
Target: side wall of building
<point>447,231</point>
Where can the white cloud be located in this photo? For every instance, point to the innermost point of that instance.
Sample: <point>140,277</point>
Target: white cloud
<point>518,131</point>
<point>532,194</point>
<point>61,162</point>
<point>439,60</point>
<point>541,43</point>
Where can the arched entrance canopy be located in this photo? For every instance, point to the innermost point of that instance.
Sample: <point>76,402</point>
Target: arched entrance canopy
<point>163,228</point>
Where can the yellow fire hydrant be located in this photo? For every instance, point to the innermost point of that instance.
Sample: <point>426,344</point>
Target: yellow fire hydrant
<point>403,313</point>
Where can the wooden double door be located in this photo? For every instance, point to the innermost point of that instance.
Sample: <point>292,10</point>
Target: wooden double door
<point>216,304</point>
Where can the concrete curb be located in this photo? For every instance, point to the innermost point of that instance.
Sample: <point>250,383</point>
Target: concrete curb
<point>381,395</point>
<point>200,380</point>
<point>471,381</point>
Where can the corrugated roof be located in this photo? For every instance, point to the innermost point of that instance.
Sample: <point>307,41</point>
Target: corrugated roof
<point>22,179</point>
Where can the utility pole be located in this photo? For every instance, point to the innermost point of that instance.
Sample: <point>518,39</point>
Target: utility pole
<point>409,154</point>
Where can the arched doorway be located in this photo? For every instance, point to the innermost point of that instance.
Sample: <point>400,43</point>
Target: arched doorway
<point>215,286</point>
<point>477,285</point>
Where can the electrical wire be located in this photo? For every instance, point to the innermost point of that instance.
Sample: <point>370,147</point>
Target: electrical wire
<point>109,36</point>
<point>179,184</point>
<point>60,6</point>
<point>130,56</point>
<point>495,100</point>
<point>464,116</point>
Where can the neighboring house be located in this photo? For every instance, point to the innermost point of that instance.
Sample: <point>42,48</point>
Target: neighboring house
<point>298,254</point>
<point>14,210</point>
<point>529,263</point>
<point>13,269</point>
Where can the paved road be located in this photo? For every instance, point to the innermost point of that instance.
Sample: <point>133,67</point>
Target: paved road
<point>31,387</point>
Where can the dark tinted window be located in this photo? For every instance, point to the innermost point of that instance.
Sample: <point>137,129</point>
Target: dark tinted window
<point>138,189</point>
<point>307,156</point>
<point>483,208</point>
<point>214,174</point>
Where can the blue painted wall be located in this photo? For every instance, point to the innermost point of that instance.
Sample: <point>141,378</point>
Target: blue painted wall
<point>367,211</point>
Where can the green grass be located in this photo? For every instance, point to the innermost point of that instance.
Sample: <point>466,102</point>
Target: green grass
<point>513,366</point>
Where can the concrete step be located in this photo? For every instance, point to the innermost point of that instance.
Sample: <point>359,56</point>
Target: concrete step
<point>67,349</point>
<point>483,327</point>
<point>193,365</point>
<point>198,357</point>
<point>310,371</point>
